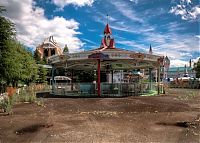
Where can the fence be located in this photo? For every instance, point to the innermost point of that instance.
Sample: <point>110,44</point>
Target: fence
<point>107,89</point>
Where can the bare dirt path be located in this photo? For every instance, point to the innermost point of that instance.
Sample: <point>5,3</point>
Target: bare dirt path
<point>171,118</point>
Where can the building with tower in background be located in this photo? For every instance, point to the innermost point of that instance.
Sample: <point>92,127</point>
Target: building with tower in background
<point>48,47</point>
<point>178,72</point>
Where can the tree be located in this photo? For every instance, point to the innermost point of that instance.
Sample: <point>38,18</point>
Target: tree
<point>19,64</point>
<point>16,62</point>
<point>37,57</point>
<point>197,68</point>
<point>66,49</point>
<point>7,33</point>
<point>7,29</point>
<point>42,72</point>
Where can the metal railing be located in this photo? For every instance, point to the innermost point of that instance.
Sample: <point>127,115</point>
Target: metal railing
<point>107,89</point>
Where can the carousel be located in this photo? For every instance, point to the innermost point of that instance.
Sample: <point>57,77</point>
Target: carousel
<point>117,72</point>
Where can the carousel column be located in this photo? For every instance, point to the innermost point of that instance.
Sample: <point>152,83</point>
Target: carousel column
<point>112,76</point>
<point>72,76</point>
<point>158,80</point>
<point>156,76</point>
<point>52,81</point>
<point>49,52</point>
<point>150,78</point>
<point>99,76</point>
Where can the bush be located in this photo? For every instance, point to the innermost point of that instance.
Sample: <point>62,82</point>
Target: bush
<point>25,94</point>
<point>6,104</point>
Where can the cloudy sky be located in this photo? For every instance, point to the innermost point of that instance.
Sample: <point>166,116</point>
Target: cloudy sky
<point>170,26</point>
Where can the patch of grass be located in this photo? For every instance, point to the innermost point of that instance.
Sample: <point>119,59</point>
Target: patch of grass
<point>40,102</point>
<point>25,94</point>
<point>150,93</point>
<point>188,95</point>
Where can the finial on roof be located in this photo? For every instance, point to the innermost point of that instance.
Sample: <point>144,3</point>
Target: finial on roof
<point>150,50</point>
<point>107,18</point>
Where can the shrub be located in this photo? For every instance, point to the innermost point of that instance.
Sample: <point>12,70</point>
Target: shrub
<point>6,104</point>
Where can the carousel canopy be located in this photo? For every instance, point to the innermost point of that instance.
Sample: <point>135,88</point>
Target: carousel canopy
<point>109,55</point>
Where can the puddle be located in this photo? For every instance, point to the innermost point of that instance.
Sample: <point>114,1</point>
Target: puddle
<point>32,128</point>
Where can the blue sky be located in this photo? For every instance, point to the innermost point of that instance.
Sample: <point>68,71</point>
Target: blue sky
<point>170,26</point>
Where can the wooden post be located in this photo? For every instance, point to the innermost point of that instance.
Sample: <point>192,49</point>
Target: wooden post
<point>53,81</point>
<point>99,77</point>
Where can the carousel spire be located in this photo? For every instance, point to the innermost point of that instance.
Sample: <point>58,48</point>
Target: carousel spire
<point>107,29</point>
<point>108,40</point>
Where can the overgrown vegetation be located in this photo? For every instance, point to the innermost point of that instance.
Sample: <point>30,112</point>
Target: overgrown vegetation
<point>18,65</point>
<point>24,95</point>
<point>188,95</point>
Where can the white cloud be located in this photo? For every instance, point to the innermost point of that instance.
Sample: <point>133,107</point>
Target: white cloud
<point>195,60</point>
<point>80,3</point>
<point>178,63</point>
<point>134,1</point>
<point>178,46</point>
<point>182,63</point>
<point>126,10</point>
<point>32,26</point>
<point>186,10</point>
<point>133,44</point>
<point>198,36</point>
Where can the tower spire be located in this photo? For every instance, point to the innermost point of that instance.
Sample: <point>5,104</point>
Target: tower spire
<point>150,50</point>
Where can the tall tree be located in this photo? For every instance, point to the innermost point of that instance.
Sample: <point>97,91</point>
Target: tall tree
<point>42,72</point>
<point>37,57</point>
<point>19,64</point>
<point>197,68</point>
<point>16,62</point>
<point>7,33</point>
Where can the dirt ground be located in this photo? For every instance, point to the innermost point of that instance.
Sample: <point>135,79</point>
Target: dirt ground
<point>171,118</point>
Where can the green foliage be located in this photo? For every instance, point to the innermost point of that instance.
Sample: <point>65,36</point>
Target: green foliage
<point>7,33</point>
<point>7,30</point>
<point>42,72</point>
<point>16,62</point>
<point>6,104</point>
<point>188,95</point>
<point>66,49</point>
<point>197,68</point>
<point>26,96</point>
<point>37,57</point>
<point>40,102</point>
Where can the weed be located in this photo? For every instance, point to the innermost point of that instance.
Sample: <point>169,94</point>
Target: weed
<point>40,102</point>
<point>6,104</point>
